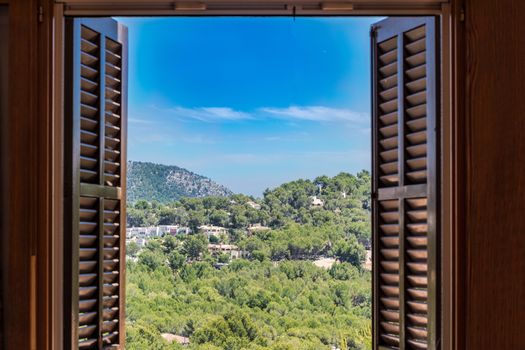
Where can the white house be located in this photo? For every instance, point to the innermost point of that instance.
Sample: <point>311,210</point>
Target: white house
<point>183,230</point>
<point>168,229</point>
<point>211,230</point>
<point>232,250</point>
<point>254,205</point>
<point>257,228</point>
<point>316,202</point>
<point>152,231</point>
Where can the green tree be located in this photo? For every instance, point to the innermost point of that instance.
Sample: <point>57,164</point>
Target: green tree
<point>176,260</point>
<point>151,260</point>
<point>349,250</point>
<point>195,245</point>
<point>132,249</point>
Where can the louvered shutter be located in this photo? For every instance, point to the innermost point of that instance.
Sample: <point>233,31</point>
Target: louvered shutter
<point>94,233</point>
<point>405,175</point>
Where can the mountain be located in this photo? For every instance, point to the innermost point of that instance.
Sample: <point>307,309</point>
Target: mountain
<point>166,183</point>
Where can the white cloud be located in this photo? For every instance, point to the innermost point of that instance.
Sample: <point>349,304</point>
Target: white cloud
<point>140,121</point>
<point>206,114</point>
<point>317,113</point>
<point>292,114</point>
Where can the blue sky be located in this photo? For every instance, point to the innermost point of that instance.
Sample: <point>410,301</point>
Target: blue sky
<point>250,102</point>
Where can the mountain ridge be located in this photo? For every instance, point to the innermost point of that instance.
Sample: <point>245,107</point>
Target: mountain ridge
<point>164,183</point>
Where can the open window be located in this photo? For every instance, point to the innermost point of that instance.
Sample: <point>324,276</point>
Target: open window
<point>406,241</point>
<point>95,178</point>
<point>405,177</point>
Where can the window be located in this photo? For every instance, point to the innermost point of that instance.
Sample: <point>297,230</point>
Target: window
<point>406,293</point>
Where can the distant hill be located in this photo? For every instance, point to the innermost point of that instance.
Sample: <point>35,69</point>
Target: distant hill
<point>166,183</point>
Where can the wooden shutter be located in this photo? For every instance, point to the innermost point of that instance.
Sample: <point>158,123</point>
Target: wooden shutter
<point>405,178</point>
<point>95,173</point>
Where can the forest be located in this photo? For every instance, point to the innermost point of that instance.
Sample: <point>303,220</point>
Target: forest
<point>274,297</point>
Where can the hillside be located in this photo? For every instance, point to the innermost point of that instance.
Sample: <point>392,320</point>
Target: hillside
<point>255,285</point>
<point>166,183</point>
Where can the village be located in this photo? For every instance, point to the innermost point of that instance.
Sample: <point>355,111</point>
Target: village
<point>141,236</point>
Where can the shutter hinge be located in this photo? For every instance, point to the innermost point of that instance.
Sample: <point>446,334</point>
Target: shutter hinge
<point>462,14</point>
<point>40,14</point>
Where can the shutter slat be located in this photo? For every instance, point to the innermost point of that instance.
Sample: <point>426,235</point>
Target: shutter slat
<point>417,176</point>
<point>417,345</point>
<point>389,94</point>
<point>87,305</point>
<point>417,254</point>
<point>112,70</point>
<point>88,111</point>
<point>389,216</point>
<point>417,98</point>
<point>389,82</point>
<point>390,241</point>
<point>416,72</point>
<point>417,151</point>
<point>417,137</point>
<point>418,307</point>
<point>88,85</point>
<point>86,331</point>
<point>417,124</point>
<point>87,317</point>
<point>416,46</point>
<point>389,327</point>
<point>389,180</point>
<point>390,339</point>
<point>87,343</point>
<point>417,85</point>
<point>87,292</point>
<point>417,59</point>
<point>392,316</point>
<point>387,45</point>
<point>389,69</point>
<point>89,60</point>
<point>390,291</point>
<point>390,266</point>
<point>87,266</point>
<point>389,131</point>
<point>388,119</point>
<point>88,72</point>
<point>391,303</point>
<point>388,57</point>
<point>88,124</point>
<point>388,107</point>
<point>390,229</point>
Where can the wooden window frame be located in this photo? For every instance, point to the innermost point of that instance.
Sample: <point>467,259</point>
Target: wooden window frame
<point>41,286</point>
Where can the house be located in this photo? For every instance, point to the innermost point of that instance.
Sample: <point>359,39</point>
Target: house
<point>257,228</point>
<point>212,230</point>
<point>168,229</point>
<point>151,231</point>
<point>254,205</point>
<point>183,230</point>
<point>316,202</point>
<point>232,250</point>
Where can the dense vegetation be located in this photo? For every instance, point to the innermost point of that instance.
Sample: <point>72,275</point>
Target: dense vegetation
<point>275,298</point>
<point>164,183</point>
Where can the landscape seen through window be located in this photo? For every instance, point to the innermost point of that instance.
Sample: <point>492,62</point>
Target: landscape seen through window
<point>248,184</point>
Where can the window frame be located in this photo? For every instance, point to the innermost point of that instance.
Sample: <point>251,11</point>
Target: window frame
<point>48,41</point>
